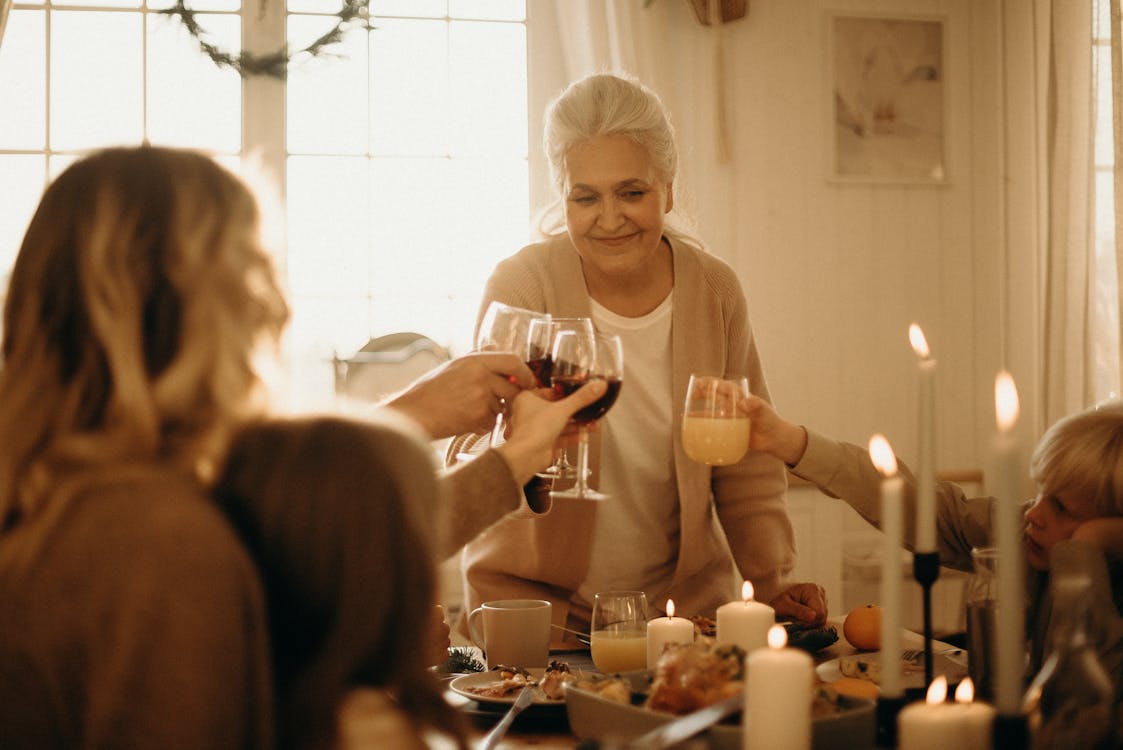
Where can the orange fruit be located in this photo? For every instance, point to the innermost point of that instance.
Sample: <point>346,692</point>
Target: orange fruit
<point>856,687</point>
<point>862,627</point>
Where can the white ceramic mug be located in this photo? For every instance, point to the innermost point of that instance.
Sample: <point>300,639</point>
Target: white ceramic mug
<point>514,632</point>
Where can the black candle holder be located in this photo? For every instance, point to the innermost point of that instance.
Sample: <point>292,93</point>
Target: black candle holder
<point>1011,732</point>
<point>926,569</point>
<point>887,710</point>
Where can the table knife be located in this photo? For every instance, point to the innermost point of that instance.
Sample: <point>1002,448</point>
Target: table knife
<point>687,726</point>
<point>499,730</point>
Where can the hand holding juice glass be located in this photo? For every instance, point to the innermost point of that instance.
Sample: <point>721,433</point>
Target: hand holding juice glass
<point>714,431</point>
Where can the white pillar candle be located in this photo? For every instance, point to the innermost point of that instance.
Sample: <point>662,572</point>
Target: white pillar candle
<point>745,623</point>
<point>778,696</point>
<point>892,527</point>
<point>665,630</point>
<point>926,468</point>
<point>933,724</point>
<point>1006,469</point>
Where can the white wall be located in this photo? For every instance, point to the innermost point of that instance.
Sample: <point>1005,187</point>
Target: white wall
<point>834,273</point>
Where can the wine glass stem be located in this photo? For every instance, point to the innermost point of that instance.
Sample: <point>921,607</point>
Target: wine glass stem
<point>583,459</point>
<point>496,431</point>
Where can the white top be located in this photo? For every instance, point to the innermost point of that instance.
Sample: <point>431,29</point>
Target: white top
<point>636,538</point>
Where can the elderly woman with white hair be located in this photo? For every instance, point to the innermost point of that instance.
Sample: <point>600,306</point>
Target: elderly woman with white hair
<point>671,527</point>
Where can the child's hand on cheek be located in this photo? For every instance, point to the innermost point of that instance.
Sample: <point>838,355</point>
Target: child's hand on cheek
<point>1106,534</point>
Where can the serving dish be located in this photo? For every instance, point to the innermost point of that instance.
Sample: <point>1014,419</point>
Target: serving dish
<point>592,717</point>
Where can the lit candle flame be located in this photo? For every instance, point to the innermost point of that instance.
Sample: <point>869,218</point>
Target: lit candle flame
<point>919,343</point>
<point>882,455</point>
<point>937,691</point>
<point>670,608</point>
<point>747,591</point>
<point>1005,401</point>
<point>777,637</point>
<point>965,693</point>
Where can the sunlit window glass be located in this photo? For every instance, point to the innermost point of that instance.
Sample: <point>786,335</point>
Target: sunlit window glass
<point>408,243</point>
<point>409,88</point>
<point>403,161</point>
<point>96,79</point>
<point>23,81</point>
<point>410,8</point>
<point>191,101</point>
<point>497,10</point>
<point>328,93</point>
<point>488,73</point>
<point>21,183</point>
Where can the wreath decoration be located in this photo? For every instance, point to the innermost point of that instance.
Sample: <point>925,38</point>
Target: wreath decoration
<point>274,64</point>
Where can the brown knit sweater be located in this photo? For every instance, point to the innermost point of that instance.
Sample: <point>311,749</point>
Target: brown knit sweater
<point>739,509</point>
<point>141,624</point>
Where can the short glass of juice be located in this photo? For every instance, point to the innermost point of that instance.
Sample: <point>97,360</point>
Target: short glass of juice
<point>714,430</point>
<point>618,634</point>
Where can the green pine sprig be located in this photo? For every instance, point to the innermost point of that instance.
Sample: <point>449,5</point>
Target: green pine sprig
<point>274,64</point>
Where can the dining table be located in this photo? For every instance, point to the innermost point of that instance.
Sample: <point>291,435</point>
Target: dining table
<point>549,730</point>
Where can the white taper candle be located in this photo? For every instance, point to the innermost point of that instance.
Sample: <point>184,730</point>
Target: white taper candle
<point>1006,468</point>
<point>926,466</point>
<point>892,527</point>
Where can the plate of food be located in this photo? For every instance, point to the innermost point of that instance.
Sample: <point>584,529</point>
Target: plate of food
<point>503,684</point>
<point>867,666</point>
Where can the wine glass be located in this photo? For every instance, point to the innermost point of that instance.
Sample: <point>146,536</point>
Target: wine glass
<point>618,631</point>
<point>714,430</point>
<point>506,328</point>
<point>541,343</point>
<point>578,359</point>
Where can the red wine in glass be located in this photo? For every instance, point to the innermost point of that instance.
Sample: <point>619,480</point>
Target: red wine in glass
<point>578,359</point>
<point>541,364</point>
<point>540,344</point>
<point>594,411</point>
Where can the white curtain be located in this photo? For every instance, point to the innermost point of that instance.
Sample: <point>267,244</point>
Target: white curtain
<point>569,39</point>
<point>1114,339</point>
<point>5,6</point>
<point>688,64</point>
<point>1068,253</point>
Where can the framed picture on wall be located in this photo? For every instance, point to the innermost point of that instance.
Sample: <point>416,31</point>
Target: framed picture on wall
<point>888,95</point>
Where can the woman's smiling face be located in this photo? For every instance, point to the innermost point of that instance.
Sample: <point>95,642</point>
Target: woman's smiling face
<point>615,203</point>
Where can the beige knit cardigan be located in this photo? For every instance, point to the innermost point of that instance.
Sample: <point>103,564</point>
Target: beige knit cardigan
<point>735,515</point>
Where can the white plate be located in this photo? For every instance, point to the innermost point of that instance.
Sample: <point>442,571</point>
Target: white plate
<point>461,686</point>
<point>951,664</point>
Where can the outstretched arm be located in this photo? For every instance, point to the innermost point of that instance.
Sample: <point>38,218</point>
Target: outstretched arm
<point>464,394</point>
<point>481,491</point>
<point>772,433</point>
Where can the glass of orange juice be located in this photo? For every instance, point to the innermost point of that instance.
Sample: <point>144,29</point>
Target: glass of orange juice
<point>714,430</point>
<point>618,633</point>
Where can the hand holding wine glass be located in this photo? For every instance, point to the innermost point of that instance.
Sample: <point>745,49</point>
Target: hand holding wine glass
<point>506,328</point>
<point>714,430</point>
<point>540,345</point>
<point>579,357</point>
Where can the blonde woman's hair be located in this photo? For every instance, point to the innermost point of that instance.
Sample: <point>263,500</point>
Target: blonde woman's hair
<point>1082,454</point>
<point>606,104</point>
<point>134,311</point>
